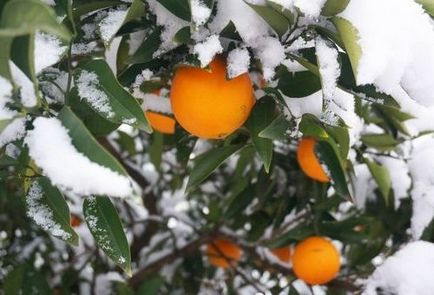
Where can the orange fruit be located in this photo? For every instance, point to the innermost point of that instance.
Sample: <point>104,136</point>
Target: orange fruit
<point>161,123</point>
<point>208,105</point>
<point>316,260</point>
<point>75,221</point>
<point>230,251</point>
<point>308,160</point>
<point>284,254</point>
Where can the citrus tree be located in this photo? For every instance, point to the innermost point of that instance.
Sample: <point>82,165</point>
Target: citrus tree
<point>215,146</point>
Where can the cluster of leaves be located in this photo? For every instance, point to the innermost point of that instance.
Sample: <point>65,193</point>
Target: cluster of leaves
<point>252,193</point>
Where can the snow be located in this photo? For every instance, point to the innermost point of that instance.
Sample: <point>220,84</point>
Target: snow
<point>13,131</point>
<point>48,51</point>
<point>41,214</point>
<point>87,85</point>
<point>423,184</point>
<point>329,67</point>
<point>5,97</point>
<point>238,62</point>
<point>51,148</point>
<point>199,12</point>
<point>27,90</point>
<point>408,272</point>
<point>104,282</point>
<point>111,24</point>
<point>310,8</point>
<point>394,52</point>
<point>156,103</point>
<point>208,49</point>
<point>135,40</point>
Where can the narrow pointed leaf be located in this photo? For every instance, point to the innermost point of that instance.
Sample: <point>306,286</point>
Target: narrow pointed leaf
<point>206,163</point>
<point>382,178</point>
<point>107,97</point>
<point>334,7</point>
<point>277,130</point>
<point>48,209</point>
<point>103,222</point>
<point>180,8</point>
<point>279,23</point>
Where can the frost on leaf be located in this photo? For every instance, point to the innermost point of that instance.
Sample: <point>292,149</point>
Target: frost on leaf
<point>42,214</point>
<point>88,89</point>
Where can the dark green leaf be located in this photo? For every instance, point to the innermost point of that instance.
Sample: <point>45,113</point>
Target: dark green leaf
<point>180,8</point>
<point>277,130</point>
<point>299,84</point>
<point>145,52</point>
<point>46,201</point>
<point>262,115</point>
<point>330,155</point>
<point>276,20</point>
<point>150,286</point>
<point>124,108</point>
<point>293,235</point>
<point>104,224</point>
<point>230,32</point>
<point>206,163</point>
<point>183,36</point>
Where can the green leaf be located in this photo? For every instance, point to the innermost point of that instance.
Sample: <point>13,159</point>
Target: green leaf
<point>183,36</point>
<point>85,143</point>
<point>5,49</point>
<point>350,37</point>
<point>150,286</point>
<point>342,138</point>
<point>276,20</point>
<point>96,124</point>
<point>104,224</point>
<point>329,154</point>
<point>262,115</point>
<point>230,32</point>
<point>295,234</point>
<point>382,178</point>
<point>334,7</point>
<point>428,5</point>
<point>381,142</point>
<point>124,107</point>
<point>26,280</point>
<point>180,8</point>
<point>312,127</point>
<point>48,209</point>
<point>299,84</point>
<point>82,7</point>
<point>207,162</point>
<point>22,54</point>
<point>277,130</point>
<point>146,51</point>
<point>22,17</point>
<point>239,202</point>
<point>156,149</point>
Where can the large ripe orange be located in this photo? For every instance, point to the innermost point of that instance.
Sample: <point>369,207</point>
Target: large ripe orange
<point>308,160</point>
<point>283,253</point>
<point>208,105</point>
<point>316,261</point>
<point>161,123</point>
<point>231,253</point>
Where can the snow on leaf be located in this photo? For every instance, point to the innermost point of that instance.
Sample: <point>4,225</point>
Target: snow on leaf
<point>51,148</point>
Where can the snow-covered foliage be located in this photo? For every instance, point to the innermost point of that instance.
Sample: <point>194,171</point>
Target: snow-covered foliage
<point>77,83</point>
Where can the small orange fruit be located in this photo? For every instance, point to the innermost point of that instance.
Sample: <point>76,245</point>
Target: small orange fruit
<point>230,251</point>
<point>75,221</point>
<point>316,260</point>
<point>308,160</point>
<point>284,254</point>
<point>208,105</point>
<point>161,123</point>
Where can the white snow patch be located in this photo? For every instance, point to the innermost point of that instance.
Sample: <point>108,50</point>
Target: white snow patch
<point>87,85</point>
<point>51,148</point>
<point>199,12</point>
<point>156,103</point>
<point>14,130</point>
<point>238,62</point>
<point>48,50</point>
<point>208,49</point>
<point>111,24</point>
<point>408,272</point>
<point>271,53</point>
<point>328,67</point>
<point>41,214</point>
<point>394,52</point>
